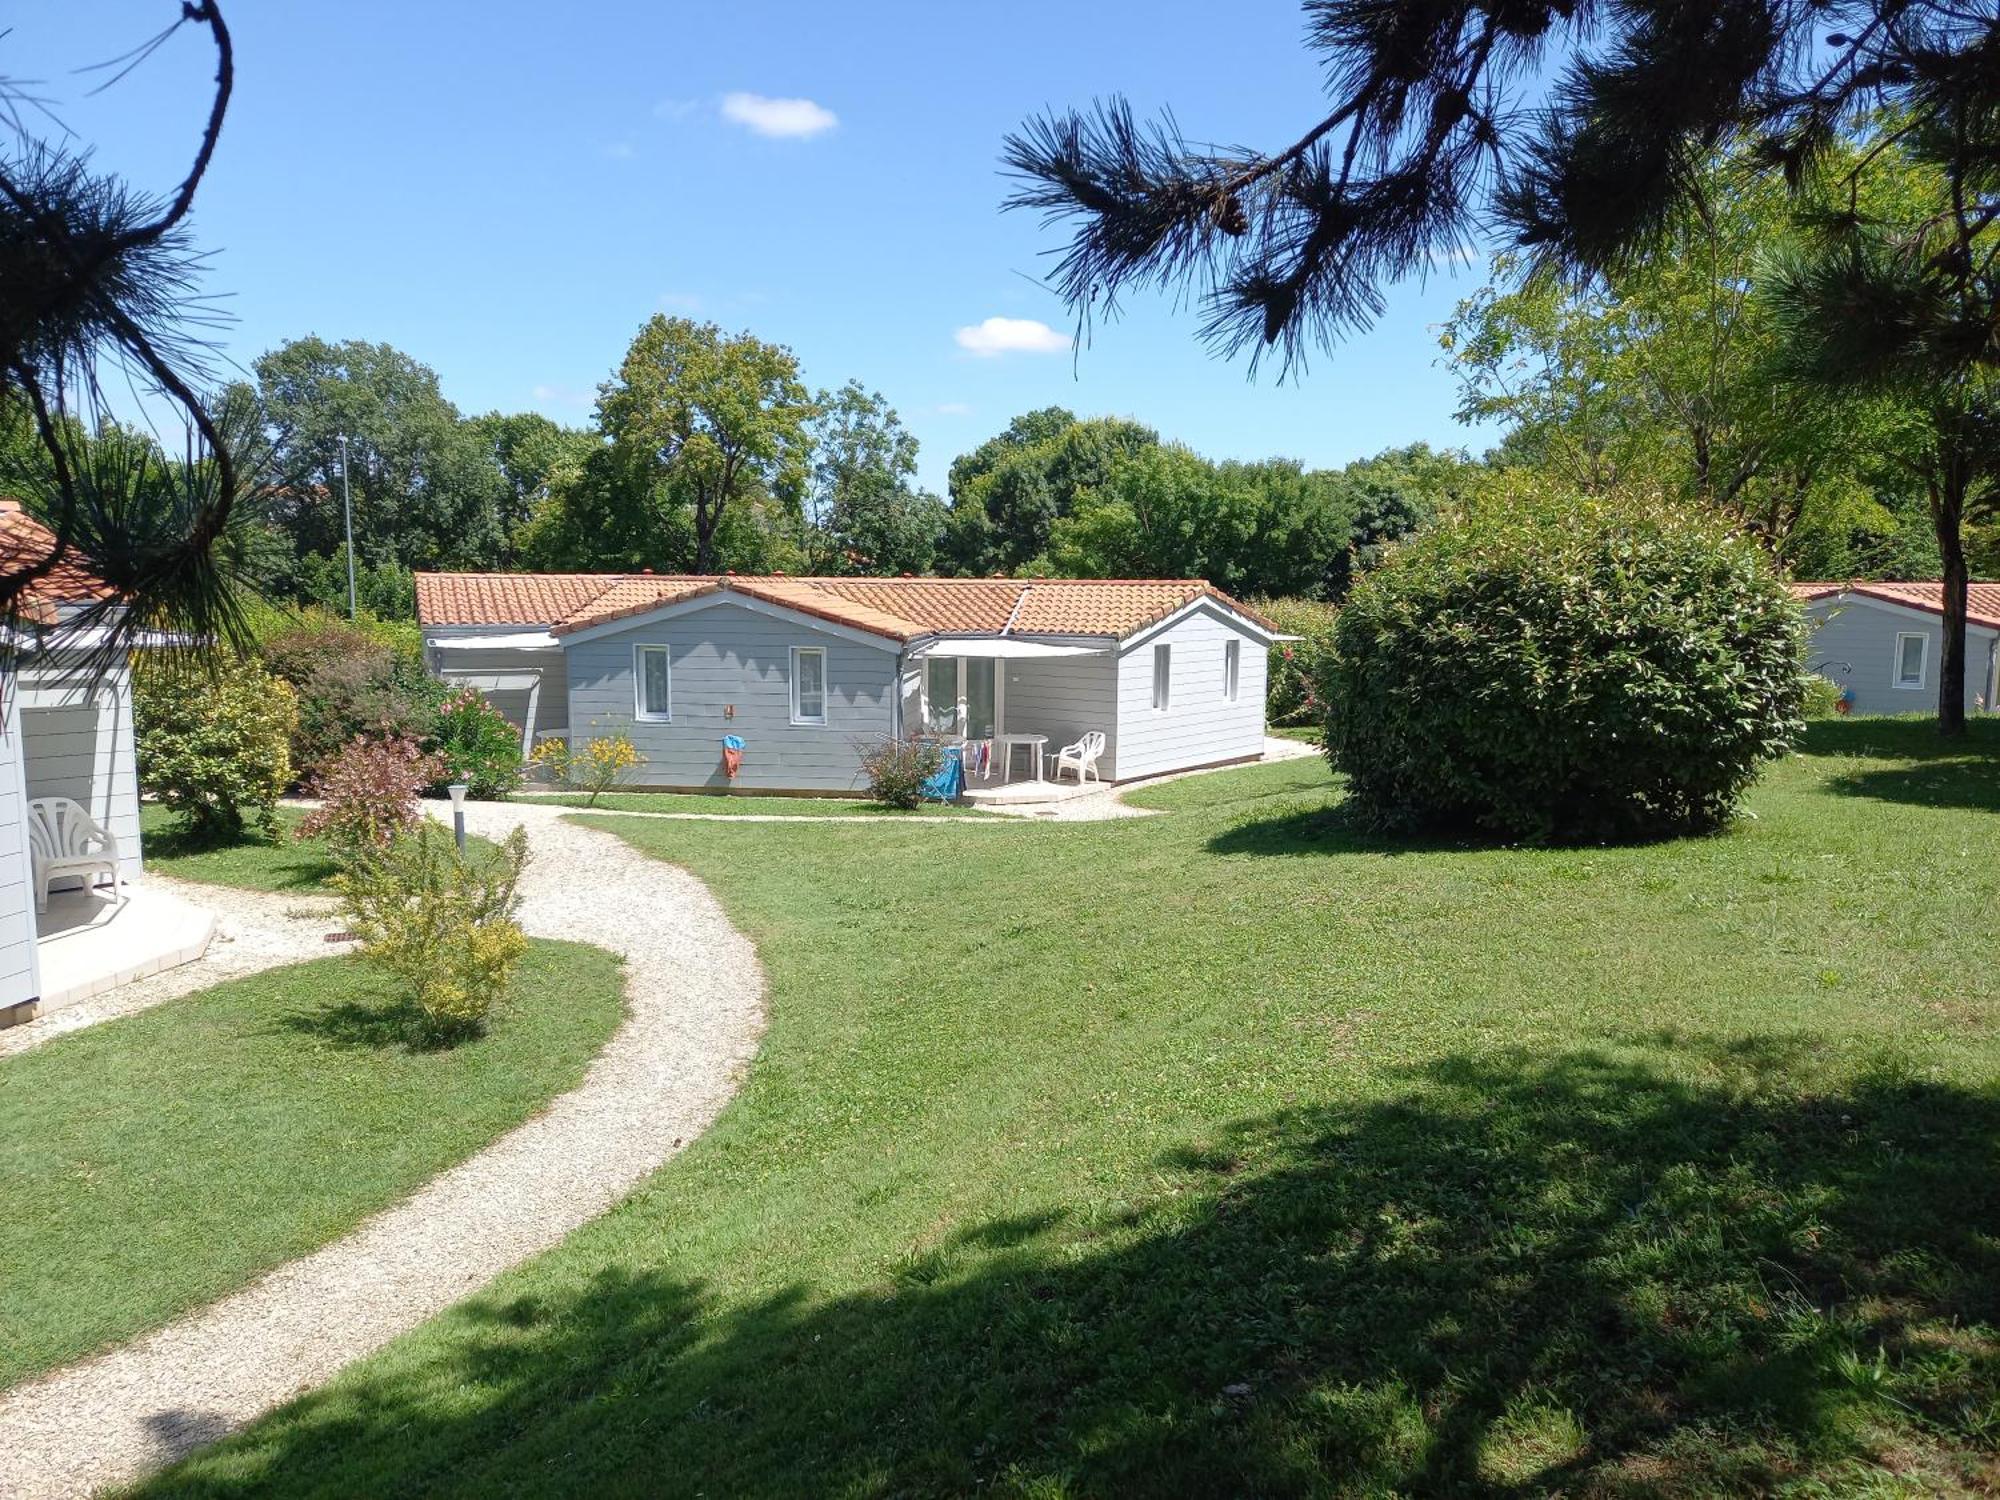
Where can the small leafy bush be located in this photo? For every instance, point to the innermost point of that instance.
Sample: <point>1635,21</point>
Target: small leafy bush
<point>475,744</point>
<point>1295,684</point>
<point>351,681</point>
<point>1546,667</point>
<point>1822,700</point>
<point>898,768</point>
<point>214,741</point>
<point>593,767</point>
<point>368,794</point>
<point>441,923</point>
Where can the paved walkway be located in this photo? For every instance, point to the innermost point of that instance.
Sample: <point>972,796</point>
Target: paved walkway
<point>695,1010</point>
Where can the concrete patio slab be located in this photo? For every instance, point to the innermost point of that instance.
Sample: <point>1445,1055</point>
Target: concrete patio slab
<point>92,941</point>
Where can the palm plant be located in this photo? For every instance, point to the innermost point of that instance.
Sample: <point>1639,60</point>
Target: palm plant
<point>100,285</point>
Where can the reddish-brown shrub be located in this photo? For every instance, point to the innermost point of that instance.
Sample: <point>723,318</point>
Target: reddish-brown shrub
<point>368,792</point>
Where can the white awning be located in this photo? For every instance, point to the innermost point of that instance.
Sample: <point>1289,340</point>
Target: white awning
<point>526,640</point>
<point>1005,648</point>
<point>496,682</point>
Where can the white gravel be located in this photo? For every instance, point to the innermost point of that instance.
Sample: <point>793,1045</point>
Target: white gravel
<point>254,930</point>
<point>695,1011</point>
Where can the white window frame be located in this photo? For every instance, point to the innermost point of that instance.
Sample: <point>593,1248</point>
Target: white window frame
<point>1232,667</point>
<point>1163,677</point>
<point>639,711</point>
<point>1923,660</point>
<point>825,688</point>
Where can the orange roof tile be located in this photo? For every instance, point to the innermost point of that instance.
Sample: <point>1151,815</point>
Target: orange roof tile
<point>25,540</point>
<point>897,608</point>
<point>1982,599</point>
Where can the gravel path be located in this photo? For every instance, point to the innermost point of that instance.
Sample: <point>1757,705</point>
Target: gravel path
<point>694,1012</point>
<point>254,930</point>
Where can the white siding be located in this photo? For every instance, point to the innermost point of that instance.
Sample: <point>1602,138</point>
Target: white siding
<point>20,980</point>
<point>724,655</point>
<point>1064,698</point>
<point>1199,726</point>
<point>1854,644</point>
<point>76,729</point>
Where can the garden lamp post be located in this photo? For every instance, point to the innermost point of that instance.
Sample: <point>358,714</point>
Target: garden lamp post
<point>347,505</point>
<point>458,790</point>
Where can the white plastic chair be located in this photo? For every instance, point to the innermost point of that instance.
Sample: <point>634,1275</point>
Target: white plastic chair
<point>64,840</point>
<point>1080,758</point>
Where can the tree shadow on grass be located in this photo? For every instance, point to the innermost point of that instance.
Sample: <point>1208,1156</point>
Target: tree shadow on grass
<point>1517,1274</point>
<point>1930,772</point>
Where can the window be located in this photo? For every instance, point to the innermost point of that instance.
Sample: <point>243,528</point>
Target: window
<point>653,679</point>
<point>941,695</point>
<point>808,685</point>
<point>1232,660</point>
<point>1163,677</point>
<point>1911,649</point>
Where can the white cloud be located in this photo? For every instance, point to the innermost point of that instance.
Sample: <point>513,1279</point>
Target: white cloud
<point>675,109</point>
<point>621,151</point>
<point>797,119</point>
<point>562,395</point>
<point>997,336</point>
<point>954,408</point>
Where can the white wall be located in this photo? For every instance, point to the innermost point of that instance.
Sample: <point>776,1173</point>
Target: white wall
<point>20,978</point>
<point>1854,644</point>
<point>1064,698</point>
<point>76,733</point>
<point>1199,726</point>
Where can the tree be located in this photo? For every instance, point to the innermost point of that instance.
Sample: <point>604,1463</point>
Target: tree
<point>425,488</point>
<point>1428,137</point>
<point>1007,493</point>
<point>866,513</point>
<point>534,456</point>
<point>714,421</point>
<point>99,275</point>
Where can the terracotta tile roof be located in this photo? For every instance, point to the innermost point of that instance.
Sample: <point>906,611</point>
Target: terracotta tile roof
<point>25,540</point>
<point>1982,599</point>
<point>505,598</point>
<point>898,608</point>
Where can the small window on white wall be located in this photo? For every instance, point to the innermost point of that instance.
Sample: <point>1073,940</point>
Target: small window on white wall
<point>808,685</point>
<point>1163,677</point>
<point>1911,649</point>
<point>653,678</point>
<point>1232,661</point>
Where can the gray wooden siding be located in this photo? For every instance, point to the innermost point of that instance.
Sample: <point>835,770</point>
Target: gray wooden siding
<point>1064,698</point>
<point>76,734</point>
<point>551,708</point>
<point>1199,726</point>
<point>19,978</point>
<point>728,655</point>
<point>1854,644</point>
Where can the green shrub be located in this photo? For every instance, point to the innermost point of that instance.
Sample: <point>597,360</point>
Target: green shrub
<point>1295,684</point>
<point>1822,700</point>
<point>351,680</point>
<point>593,767</point>
<point>214,741</point>
<point>1545,667</point>
<point>898,768</point>
<point>475,744</point>
<point>441,923</point>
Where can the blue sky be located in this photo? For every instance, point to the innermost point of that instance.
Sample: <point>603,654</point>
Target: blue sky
<point>507,191</point>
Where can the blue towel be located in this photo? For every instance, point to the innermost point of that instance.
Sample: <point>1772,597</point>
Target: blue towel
<point>948,780</point>
<point>732,742</point>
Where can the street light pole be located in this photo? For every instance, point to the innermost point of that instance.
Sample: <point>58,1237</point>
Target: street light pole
<point>347,504</point>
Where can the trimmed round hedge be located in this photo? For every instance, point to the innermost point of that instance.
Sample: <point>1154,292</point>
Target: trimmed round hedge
<point>1558,669</point>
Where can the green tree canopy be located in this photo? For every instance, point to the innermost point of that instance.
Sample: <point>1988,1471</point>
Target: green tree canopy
<point>426,490</point>
<point>867,514</point>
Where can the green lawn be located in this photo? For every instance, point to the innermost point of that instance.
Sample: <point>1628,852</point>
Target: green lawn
<point>738,805</point>
<point>1310,734</point>
<point>156,1162</point>
<point>1234,1152</point>
<point>286,863</point>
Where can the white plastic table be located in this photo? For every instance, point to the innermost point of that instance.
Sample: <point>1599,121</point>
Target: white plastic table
<point>1005,744</point>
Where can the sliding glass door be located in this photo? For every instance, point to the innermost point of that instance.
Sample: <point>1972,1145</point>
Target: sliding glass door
<point>962,696</point>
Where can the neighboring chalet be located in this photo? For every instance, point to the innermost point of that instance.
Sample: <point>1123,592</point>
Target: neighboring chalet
<point>1879,642</point>
<point>809,672</point>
